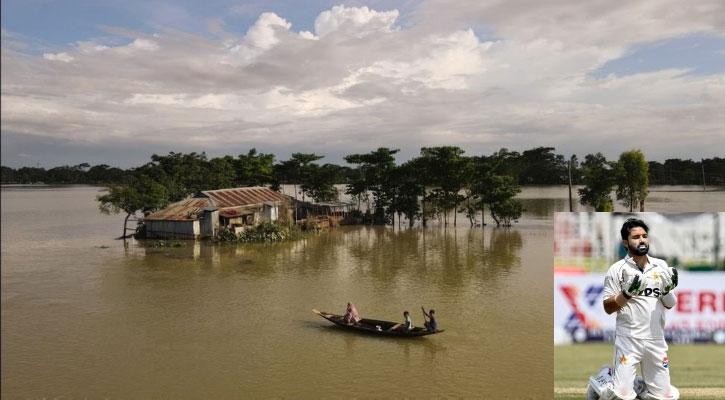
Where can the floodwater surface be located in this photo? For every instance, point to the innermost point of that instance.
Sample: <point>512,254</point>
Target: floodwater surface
<point>84,317</point>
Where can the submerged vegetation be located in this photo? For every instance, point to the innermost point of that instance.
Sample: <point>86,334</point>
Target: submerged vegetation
<point>166,243</point>
<point>264,232</point>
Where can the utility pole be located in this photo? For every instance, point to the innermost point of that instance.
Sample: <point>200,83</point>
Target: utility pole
<point>702,163</point>
<point>570,203</point>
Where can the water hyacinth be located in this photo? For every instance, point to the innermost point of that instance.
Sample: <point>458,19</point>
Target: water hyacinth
<point>266,231</point>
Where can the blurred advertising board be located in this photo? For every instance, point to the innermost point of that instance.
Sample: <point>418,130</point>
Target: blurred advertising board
<point>699,315</point>
<point>591,241</point>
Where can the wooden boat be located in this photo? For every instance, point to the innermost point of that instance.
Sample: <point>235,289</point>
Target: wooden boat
<point>374,326</point>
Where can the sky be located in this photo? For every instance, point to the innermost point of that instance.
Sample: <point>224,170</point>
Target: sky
<point>109,82</point>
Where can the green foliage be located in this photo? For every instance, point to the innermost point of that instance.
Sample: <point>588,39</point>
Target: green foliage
<point>310,225</point>
<point>543,166</point>
<point>164,243</point>
<point>373,174</point>
<point>299,169</point>
<point>687,172</point>
<point>139,193</point>
<point>632,172</point>
<point>408,186</point>
<point>255,169</point>
<point>504,212</point>
<point>598,179</point>
<point>471,209</point>
<point>267,231</point>
<point>448,172</point>
<point>320,182</point>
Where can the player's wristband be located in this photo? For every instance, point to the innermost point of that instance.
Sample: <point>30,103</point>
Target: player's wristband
<point>669,300</point>
<point>621,299</point>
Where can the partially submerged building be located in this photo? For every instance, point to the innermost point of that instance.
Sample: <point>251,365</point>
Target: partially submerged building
<point>211,210</point>
<point>328,213</point>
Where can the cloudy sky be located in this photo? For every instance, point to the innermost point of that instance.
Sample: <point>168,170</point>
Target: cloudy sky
<point>116,81</point>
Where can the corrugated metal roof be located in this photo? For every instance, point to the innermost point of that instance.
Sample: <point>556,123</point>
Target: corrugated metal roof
<point>234,212</point>
<point>223,198</point>
<point>184,210</point>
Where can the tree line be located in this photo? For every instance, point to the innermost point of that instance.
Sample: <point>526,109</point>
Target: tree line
<point>438,183</point>
<point>537,166</point>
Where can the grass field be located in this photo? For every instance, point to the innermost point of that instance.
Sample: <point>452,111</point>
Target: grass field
<point>698,371</point>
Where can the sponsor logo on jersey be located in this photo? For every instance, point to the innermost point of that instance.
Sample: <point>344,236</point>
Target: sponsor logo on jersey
<point>665,363</point>
<point>650,292</point>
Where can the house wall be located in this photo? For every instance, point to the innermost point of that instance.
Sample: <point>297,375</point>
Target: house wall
<point>269,213</point>
<point>172,229</point>
<point>210,223</point>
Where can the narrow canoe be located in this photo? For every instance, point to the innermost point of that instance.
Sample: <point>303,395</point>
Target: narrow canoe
<point>374,326</point>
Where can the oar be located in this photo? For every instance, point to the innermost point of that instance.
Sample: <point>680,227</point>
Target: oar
<point>425,321</point>
<point>321,314</point>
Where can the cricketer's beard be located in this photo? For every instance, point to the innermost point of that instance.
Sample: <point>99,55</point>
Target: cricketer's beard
<point>636,251</point>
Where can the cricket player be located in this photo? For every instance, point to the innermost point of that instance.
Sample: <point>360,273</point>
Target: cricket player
<point>639,288</point>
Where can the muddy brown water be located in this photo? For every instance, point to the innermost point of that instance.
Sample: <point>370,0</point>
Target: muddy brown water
<point>84,317</point>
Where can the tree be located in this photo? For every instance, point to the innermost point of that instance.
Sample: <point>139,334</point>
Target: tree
<point>632,172</point>
<point>9,175</point>
<point>320,183</point>
<point>181,174</point>
<point>104,173</point>
<point>499,192</point>
<point>409,186</point>
<point>374,174</point>
<point>297,170</point>
<point>506,211</point>
<point>543,166</point>
<point>139,193</point>
<point>597,176</point>
<point>451,174</point>
<point>255,169</point>
<point>219,173</point>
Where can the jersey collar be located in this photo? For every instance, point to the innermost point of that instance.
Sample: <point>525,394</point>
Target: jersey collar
<point>630,260</point>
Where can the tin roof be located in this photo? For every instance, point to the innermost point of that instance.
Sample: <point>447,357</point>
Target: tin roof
<point>223,198</point>
<point>185,210</point>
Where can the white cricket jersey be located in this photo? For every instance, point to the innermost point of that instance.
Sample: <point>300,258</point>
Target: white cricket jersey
<point>643,317</point>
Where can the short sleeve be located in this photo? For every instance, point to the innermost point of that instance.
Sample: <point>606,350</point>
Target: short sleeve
<point>611,283</point>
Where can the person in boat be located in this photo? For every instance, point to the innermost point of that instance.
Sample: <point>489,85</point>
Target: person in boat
<point>431,325</point>
<point>408,324</point>
<point>405,326</point>
<point>351,316</point>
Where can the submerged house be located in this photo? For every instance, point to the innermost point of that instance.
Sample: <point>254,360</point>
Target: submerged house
<point>211,210</point>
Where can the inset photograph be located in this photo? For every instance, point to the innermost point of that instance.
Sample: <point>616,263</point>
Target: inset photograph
<point>639,305</point>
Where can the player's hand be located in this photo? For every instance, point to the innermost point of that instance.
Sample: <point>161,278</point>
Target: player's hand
<point>670,280</point>
<point>631,287</point>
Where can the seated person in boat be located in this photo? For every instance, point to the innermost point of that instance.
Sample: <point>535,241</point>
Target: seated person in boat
<point>408,325</point>
<point>405,326</point>
<point>431,325</point>
<point>351,316</point>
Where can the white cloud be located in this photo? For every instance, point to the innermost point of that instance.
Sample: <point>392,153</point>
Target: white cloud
<point>354,21</point>
<point>64,57</point>
<point>87,47</point>
<point>360,82</point>
<point>263,34</point>
<point>144,44</point>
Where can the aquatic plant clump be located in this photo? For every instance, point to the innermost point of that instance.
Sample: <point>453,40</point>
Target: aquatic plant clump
<point>266,231</point>
<point>164,243</point>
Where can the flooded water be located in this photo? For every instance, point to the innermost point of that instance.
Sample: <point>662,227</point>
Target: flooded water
<point>84,317</point>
